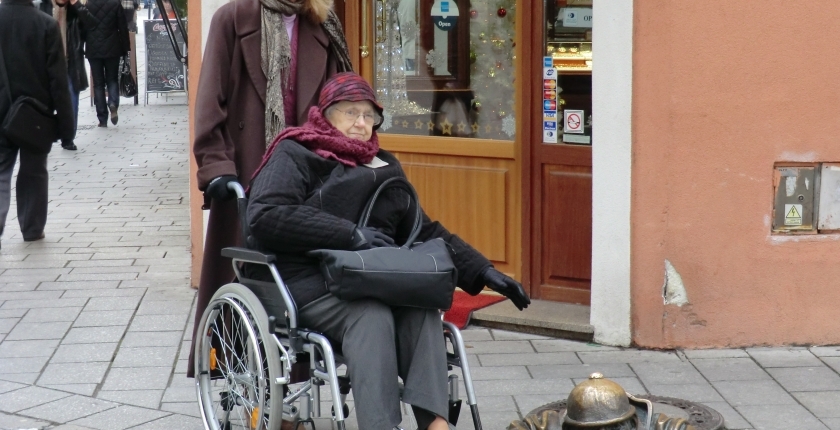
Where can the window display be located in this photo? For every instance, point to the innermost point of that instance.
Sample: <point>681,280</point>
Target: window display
<point>568,49</point>
<point>446,67</point>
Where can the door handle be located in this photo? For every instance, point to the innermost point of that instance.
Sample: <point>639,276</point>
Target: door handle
<point>365,30</point>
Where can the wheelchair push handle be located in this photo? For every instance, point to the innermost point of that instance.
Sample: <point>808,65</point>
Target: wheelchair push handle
<point>236,187</point>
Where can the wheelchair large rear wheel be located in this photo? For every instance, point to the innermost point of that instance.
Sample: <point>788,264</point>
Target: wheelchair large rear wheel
<point>236,364</point>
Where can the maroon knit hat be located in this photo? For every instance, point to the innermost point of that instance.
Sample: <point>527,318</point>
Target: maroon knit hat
<point>347,86</point>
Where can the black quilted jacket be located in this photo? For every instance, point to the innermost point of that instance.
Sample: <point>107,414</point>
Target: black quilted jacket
<point>105,27</point>
<point>301,201</point>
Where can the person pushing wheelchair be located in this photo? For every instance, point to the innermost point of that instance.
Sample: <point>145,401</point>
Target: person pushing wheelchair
<point>311,187</point>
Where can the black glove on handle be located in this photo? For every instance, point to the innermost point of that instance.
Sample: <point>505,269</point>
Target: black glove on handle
<point>506,286</point>
<point>369,237</point>
<point>218,190</point>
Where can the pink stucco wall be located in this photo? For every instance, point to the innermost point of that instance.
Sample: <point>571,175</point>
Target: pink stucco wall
<point>723,90</point>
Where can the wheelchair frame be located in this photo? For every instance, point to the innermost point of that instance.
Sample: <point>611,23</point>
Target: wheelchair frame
<point>258,347</point>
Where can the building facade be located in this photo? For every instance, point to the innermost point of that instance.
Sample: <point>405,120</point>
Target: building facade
<point>646,159</point>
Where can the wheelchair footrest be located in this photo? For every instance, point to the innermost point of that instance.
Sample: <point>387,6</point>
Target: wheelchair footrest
<point>454,411</point>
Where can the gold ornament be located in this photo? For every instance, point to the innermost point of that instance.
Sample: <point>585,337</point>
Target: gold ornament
<point>418,124</point>
<point>461,127</point>
<point>474,127</point>
<point>447,126</point>
<point>431,126</point>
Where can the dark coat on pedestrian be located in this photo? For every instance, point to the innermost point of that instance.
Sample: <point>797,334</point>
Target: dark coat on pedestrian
<point>230,117</point>
<point>34,57</point>
<point>75,50</point>
<point>301,201</point>
<point>106,30</point>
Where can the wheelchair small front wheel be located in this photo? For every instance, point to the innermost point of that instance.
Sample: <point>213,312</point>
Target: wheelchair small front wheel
<point>236,364</point>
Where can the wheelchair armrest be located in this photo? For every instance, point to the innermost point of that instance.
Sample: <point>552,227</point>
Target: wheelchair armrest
<point>248,255</point>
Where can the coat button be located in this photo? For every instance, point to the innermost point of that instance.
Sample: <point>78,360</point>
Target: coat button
<point>241,125</point>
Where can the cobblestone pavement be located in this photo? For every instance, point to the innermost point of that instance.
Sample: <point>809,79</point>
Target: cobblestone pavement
<point>95,319</point>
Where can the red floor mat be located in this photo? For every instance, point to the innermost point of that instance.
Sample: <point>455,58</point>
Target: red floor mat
<point>464,304</point>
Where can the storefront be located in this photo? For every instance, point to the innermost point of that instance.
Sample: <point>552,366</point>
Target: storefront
<point>478,124</point>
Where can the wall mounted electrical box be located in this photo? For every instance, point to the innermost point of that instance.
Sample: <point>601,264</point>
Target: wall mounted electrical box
<point>797,192</point>
<point>828,209</point>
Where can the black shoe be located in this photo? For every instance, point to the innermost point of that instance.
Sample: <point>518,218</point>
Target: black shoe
<point>114,116</point>
<point>103,124</point>
<point>70,146</point>
<point>33,239</point>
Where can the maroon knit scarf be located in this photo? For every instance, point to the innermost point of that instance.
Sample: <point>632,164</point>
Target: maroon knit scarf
<point>320,137</point>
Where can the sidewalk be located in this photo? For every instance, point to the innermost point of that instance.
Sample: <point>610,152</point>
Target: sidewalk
<point>95,319</point>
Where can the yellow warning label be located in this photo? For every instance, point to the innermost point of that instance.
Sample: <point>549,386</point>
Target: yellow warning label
<point>793,214</point>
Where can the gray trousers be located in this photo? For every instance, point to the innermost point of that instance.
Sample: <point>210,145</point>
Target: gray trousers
<point>379,343</point>
<point>31,189</point>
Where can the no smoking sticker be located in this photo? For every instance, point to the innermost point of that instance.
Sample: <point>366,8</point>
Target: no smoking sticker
<point>573,121</point>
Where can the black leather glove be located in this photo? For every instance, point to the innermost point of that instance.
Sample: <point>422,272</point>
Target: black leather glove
<point>218,188</point>
<point>506,286</point>
<point>369,237</point>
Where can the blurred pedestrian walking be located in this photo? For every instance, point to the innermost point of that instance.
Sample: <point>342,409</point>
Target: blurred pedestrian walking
<point>77,79</point>
<point>34,66</point>
<point>106,40</point>
<point>131,7</point>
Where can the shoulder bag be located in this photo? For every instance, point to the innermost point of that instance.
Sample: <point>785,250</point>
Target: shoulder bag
<point>415,274</point>
<point>128,87</point>
<point>29,124</point>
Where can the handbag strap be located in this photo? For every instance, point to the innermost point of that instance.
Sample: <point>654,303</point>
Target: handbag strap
<point>396,182</point>
<point>5,76</point>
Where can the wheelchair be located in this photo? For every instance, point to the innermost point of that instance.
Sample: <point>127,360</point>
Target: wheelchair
<point>244,356</point>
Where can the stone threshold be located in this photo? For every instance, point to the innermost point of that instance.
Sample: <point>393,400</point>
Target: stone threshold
<point>542,317</point>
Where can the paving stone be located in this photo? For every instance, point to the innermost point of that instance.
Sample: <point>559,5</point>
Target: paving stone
<point>52,314</point>
<point>70,427</point>
<point>159,307</point>
<point>104,293</point>
<point>528,359</point>
<point>22,365</point>
<point>695,354</point>
<point>563,345</point>
<point>28,397</point>
<point>73,373</point>
<point>183,408</point>
<point>39,330</point>
<point>832,423</point>
<point>13,313</point>
<point>825,351</point>
<point>68,409</point>
<point>833,362</point>
<point>84,353</point>
<point>94,334</point>
<point>120,418</point>
<point>580,371</point>
<point>144,378</point>
<point>819,378</point>
<point>63,284</point>
<point>18,422</point>
<point>823,404</point>
<point>7,324</point>
<point>524,403</point>
<point>500,372</point>
<point>112,303</point>
<point>147,356</point>
<point>783,357</point>
<point>6,386</point>
<point>29,295</point>
<point>513,335</point>
<point>627,356</point>
<point>780,417</point>
<point>741,393</point>
<point>83,389</point>
<point>527,386</point>
<point>668,373</point>
<point>158,322</point>
<point>144,398</point>
<point>472,333</point>
<point>179,422</point>
<point>29,304</point>
<point>693,392</point>
<point>165,338</point>
<point>730,369</point>
<point>732,419</point>
<point>103,318</point>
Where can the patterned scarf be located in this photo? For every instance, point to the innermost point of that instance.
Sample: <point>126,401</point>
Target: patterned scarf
<point>320,137</point>
<point>275,50</point>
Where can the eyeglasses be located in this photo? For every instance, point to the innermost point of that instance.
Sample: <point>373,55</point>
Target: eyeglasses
<point>371,119</point>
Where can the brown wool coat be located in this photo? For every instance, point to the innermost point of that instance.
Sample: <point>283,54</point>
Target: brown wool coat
<point>230,118</point>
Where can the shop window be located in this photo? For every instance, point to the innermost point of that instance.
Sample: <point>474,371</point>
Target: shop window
<point>568,87</point>
<point>446,67</point>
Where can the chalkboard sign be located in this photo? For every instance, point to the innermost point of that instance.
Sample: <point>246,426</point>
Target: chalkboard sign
<point>164,73</point>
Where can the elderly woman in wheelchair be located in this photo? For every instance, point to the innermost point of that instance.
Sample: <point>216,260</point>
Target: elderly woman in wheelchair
<point>307,195</point>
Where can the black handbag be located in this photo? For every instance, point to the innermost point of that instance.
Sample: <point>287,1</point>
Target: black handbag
<point>416,274</point>
<point>128,86</point>
<point>29,124</point>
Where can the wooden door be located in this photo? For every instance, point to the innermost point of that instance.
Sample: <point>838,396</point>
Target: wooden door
<point>561,173</point>
<point>445,71</point>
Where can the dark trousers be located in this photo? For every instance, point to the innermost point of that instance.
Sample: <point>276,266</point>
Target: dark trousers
<point>74,100</point>
<point>381,343</point>
<point>106,73</point>
<point>31,189</point>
